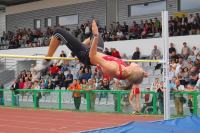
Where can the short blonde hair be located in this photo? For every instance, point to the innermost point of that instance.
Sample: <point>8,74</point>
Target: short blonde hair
<point>136,77</point>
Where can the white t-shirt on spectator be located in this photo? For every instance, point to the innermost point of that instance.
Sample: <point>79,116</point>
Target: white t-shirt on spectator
<point>191,19</point>
<point>171,74</point>
<point>197,86</point>
<point>120,34</point>
<point>177,71</point>
<point>87,30</point>
<point>180,88</point>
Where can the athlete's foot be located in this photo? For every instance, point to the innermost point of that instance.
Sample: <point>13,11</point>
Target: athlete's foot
<point>43,66</point>
<point>136,113</point>
<point>95,30</point>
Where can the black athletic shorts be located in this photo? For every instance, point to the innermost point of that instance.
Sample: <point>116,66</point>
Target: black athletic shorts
<point>78,49</point>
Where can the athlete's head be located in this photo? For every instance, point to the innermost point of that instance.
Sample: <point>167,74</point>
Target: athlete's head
<point>137,74</point>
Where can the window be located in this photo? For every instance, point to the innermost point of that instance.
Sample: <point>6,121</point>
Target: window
<point>67,20</point>
<point>37,24</point>
<point>146,8</point>
<point>48,22</point>
<point>189,4</point>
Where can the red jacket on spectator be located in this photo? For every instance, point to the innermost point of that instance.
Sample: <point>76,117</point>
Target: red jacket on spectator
<point>116,54</point>
<point>21,85</point>
<point>54,69</point>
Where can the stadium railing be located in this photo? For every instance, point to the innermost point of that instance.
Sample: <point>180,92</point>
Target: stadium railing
<point>9,97</point>
<point>62,99</point>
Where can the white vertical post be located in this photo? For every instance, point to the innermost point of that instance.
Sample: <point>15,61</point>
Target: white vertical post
<point>165,38</point>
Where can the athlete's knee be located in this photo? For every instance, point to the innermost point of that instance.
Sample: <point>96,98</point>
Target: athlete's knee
<point>59,31</point>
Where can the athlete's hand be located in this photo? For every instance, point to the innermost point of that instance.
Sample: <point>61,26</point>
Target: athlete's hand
<point>95,30</point>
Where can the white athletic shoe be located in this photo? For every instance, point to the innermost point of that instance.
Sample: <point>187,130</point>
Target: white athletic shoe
<point>43,66</point>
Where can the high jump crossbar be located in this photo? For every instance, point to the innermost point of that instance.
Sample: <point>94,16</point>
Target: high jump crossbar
<point>61,58</point>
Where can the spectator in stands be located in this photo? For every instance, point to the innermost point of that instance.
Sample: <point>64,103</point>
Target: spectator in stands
<point>80,74</point>
<point>61,79</point>
<point>190,88</point>
<point>104,86</point>
<point>119,35</point>
<point>87,74</point>
<point>191,19</point>
<point>107,37</point>
<point>134,31</point>
<point>160,92</point>
<point>179,100</point>
<point>91,86</point>
<point>69,77</point>
<point>191,57</point>
<point>107,51</point>
<point>185,50</point>
<point>83,84</point>
<point>115,53</point>
<point>76,95</point>
<point>145,31</point>
<point>194,50</point>
<point>21,83</point>
<point>124,28</point>
<point>155,53</point>
<point>27,83</point>
<point>179,65</point>
<point>43,84</point>
<point>118,27</point>
<point>87,30</point>
<point>148,103</point>
<point>117,86</point>
<point>157,24</point>
<point>171,49</point>
<point>174,56</point>
<point>1,93</point>
<point>171,84</point>
<point>193,78</point>
<point>64,67</point>
<point>14,88</point>
<point>60,62</point>
<point>54,70</point>
<point>157,87</point>
<point>171,72</point>
<point>50,85</point>
<point>36,86</point>
<point>63,54</point>
<point>136,54</point>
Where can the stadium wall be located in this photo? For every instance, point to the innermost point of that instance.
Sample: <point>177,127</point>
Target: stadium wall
<point>145,45</point>
<point>85,11</point>
<point>172,7</point>
<point>2,23</point>
<point>123,9</point>
<point>31,6</point>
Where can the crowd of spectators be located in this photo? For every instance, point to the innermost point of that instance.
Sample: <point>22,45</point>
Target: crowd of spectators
<point>184,71</point>
<point>147,28</point>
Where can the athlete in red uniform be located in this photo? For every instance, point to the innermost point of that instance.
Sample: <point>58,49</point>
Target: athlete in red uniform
<point>135,93</point>
<point>112,66</point>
